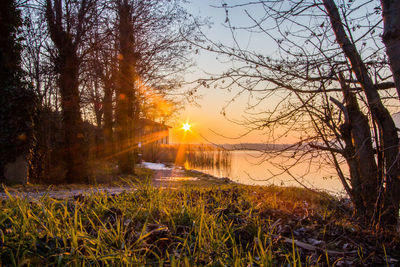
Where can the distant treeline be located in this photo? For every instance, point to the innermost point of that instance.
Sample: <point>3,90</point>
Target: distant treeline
<point>256,146</point>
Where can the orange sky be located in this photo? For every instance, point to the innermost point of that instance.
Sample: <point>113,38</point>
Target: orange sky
<point>208,124</point>
<point>207,128</point>
<point>206,118</point>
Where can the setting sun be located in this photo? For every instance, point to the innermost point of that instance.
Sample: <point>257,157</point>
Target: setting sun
<point>186,127</point>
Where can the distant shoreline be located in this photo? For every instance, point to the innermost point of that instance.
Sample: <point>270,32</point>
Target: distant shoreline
<point>249,146</point>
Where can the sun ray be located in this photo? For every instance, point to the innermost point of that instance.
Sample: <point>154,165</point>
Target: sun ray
<point>186,126</point>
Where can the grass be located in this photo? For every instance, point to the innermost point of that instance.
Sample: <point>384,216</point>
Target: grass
<point>225,225</point>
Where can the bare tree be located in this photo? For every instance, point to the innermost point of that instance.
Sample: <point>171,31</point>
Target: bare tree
<point>325,53</point>
<point>68,24</point>
<point>126,112</point>
<point>153,51</point>
<point>391,37</point>
<point>111,60</point>
<point>385,123</point>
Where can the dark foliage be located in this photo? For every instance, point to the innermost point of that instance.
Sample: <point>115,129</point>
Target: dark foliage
<point>17,109</point>
<point>10,48</point>
<point>17,102</point>
<point>47,165</point>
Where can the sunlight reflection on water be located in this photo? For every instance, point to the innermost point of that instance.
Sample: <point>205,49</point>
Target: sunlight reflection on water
<point>246,168</point>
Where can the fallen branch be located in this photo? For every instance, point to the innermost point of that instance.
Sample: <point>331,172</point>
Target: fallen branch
<point>307,246</point>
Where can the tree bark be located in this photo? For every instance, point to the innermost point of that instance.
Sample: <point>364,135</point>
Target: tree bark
<point>363,153</point>
<point>108,119</point>
<point>391,37</point>
<point>74,139</point>
<point>126,91</point>
<point>67,65</point>
<point>355,179</point>
<point>385,122</point>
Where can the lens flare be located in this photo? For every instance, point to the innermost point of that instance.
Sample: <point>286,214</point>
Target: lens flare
<point>186,127</point>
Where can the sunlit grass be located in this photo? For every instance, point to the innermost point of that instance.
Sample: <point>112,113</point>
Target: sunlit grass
<point>216,226</point>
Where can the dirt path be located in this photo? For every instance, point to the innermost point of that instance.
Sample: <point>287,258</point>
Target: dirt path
<point>161,178</point>
<point>164,177</point>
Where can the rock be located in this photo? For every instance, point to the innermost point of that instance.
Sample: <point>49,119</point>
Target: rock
<point>315,242</point>
<point>17,171</point>
<point>225,180</point>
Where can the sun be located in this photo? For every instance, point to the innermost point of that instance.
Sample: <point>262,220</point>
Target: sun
<point>186,127</point>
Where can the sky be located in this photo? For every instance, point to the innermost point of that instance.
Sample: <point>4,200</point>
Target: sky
<point>208,124</point>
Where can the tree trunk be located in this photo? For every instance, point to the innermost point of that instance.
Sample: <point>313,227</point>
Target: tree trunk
<point>363,152</point>
<point>75,154</point>
<point>355,179</point>
<point>385,122</point>
<point>98,109</point>
<point>391,37</point>
<point>125,93</point>
<point>108,119</point>
<point>67,65</point>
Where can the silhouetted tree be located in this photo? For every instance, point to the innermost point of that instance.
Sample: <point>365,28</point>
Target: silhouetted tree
<point>10,47</point>
<point>391,37</point>
<point>17,100</point>
<point>68,23</point>
<point>101,61</point>
<point>36,60</point>
<point>336,54</point>
<point>153,50</point>
<point>126,111</point>
<point>388,195</point>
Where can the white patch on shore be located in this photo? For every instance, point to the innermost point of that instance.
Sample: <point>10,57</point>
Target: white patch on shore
<point>177,179</point>
<point>155,166</point>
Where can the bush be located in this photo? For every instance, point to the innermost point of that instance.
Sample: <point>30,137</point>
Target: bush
<point>17,112</point>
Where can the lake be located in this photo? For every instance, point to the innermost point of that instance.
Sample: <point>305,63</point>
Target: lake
<point>249,167</point>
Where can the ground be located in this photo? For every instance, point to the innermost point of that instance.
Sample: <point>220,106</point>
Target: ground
<point>159,175</point>
<point>193,219</point>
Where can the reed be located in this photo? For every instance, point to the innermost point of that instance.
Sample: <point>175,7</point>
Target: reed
<point>194,155</point>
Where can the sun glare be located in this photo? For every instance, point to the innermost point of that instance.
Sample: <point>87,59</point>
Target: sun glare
<point>186,127</point>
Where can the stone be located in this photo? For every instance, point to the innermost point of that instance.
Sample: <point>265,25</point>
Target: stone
<point>17,172</point>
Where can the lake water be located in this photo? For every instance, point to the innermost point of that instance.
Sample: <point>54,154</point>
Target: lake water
<point>250,167</point>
